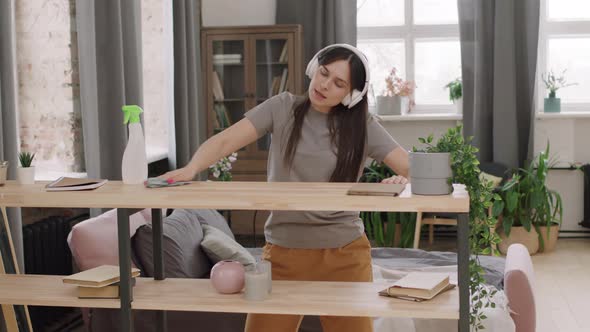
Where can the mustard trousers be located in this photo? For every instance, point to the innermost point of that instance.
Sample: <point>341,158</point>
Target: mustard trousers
<point>349,263</point>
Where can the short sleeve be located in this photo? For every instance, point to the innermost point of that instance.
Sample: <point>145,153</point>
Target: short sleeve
<point>269,113</point>
<point>379,141</point>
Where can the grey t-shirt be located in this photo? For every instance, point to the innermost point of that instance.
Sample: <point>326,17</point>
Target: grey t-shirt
<point>314,161</point>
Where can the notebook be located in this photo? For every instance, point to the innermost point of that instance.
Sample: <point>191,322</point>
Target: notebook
<point>72,184</point>
<point>98,277</point>
<point>420,285</point>
<point>376,189</point>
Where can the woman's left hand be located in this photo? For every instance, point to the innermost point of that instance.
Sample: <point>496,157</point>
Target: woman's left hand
<point>397,179</point>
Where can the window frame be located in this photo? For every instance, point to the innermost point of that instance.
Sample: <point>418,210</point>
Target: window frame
<point>549,29</point>
<point>409,33</point>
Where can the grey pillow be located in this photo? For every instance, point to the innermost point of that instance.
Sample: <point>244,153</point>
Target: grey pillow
<point>210,217</point>
<point>218,246</point>
<point>182,233</point>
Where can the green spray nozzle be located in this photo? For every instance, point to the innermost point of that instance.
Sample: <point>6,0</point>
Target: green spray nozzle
<point>132,113</point>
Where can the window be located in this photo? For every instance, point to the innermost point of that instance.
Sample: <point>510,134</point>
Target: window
<point>418,37</point>
<point>564,44</point>
<point>158,94</point>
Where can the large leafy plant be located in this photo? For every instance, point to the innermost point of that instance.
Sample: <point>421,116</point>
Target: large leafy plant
<point>380,226</point>
<point>482,239</point>
<point>526,200</point>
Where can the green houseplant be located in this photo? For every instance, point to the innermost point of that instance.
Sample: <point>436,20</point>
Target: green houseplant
<point>527,203</point>
<point>387,229</point>
<point>482,238</point>
<point>456,93</point>
<point>26,173</point>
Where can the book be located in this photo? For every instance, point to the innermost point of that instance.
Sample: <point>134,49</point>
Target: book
<point>70,184</point>
<point>415,299</point>
<point>284,55</point>
<point>419,285</point>
<point>283,85</point>
<point>376,189</point>
<point>100,276</point>
<point>217,88</point>
<point>105,292</point>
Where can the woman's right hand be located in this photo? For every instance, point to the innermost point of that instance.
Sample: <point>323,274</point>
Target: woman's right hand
<point>182,174</point>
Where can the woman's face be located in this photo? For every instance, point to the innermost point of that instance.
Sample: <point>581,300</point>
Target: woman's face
<point>329,85</point>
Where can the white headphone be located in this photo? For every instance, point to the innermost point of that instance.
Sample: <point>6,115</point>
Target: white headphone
<point>355,96</point>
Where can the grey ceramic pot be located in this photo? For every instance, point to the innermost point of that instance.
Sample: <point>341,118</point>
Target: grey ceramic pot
<point>430,173</point>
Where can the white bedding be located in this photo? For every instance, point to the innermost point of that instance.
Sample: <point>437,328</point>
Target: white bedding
<point>498,319</point>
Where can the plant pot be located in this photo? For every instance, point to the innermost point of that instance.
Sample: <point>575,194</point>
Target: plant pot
<point>549,242</point>
<point>25,175</point>
<point>430,173</point>
<point>458,105</point>
<point>552,105</point>
<point>3,172</point>
<point>519,235</point>
<point>389,105</point>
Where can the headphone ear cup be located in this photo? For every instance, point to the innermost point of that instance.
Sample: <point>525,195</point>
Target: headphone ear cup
<point>355,97</point>
<point>346,100</point>
<point>311,67</point>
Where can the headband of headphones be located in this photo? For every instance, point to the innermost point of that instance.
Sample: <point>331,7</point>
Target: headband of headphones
<point>355,96</point>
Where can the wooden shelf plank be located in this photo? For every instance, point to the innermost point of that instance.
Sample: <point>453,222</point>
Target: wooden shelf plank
<point>234,195</point>
<point>292,297</point>
<point>46,290</point>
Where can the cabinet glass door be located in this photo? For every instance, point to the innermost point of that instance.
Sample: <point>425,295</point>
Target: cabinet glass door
<point>228,88</point>
<point>272,72</point>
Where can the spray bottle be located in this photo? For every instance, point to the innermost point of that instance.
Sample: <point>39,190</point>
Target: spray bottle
<point>134,166</point>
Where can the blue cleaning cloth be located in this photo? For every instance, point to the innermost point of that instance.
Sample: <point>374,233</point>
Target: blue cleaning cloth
<point>158,183</point>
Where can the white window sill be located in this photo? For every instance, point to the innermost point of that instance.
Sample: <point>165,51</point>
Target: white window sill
<point>421,117</point>
<point>563,115</point>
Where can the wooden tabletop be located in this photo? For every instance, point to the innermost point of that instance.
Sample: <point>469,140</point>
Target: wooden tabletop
<point>288,297</point>
<point>302,196</point>
<point>292,297</point>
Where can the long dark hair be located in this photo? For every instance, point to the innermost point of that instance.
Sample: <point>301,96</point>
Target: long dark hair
<point>348,130</point>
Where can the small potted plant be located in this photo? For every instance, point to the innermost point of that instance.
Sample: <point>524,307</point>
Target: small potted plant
<point>397,98</point>
<point>553,83</point>
<point>26,173</point>
<point>430,168</point>
<point>456,94</point>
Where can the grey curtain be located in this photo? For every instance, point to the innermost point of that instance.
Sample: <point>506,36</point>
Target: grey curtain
<point>324,22</point>
<point>499,57</point>
<point>9,111</point>
<point>190,124</point>
<point>109,42</point>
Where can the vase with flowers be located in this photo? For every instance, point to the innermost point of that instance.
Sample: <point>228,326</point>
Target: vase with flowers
<point>553,83</point>
<point>398,96</point>
<point>221,171</point>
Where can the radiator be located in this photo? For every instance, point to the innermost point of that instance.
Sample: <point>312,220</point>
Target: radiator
<point>46,252</point>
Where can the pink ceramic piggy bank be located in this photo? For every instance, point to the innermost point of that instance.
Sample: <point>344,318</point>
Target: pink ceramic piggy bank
<point>227,277</point>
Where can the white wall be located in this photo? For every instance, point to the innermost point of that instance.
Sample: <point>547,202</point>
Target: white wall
<point>234,12</point>
<point>568,137</point>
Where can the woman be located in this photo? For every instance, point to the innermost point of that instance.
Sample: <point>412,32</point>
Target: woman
<point>323,136</point>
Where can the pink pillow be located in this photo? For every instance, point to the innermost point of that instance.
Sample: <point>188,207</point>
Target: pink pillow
<point>93,242</point>
<point>519,285</point>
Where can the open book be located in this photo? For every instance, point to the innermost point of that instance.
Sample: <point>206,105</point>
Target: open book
<point>419,286</point>
<point>101,276</point>
<point>376,189</point>
<point>70,184</point>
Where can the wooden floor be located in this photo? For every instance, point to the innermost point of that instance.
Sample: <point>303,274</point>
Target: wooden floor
<point>563,287</point>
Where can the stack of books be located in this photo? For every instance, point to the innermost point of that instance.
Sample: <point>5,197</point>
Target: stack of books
<point>99,283</point>
<point>419,286</point>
